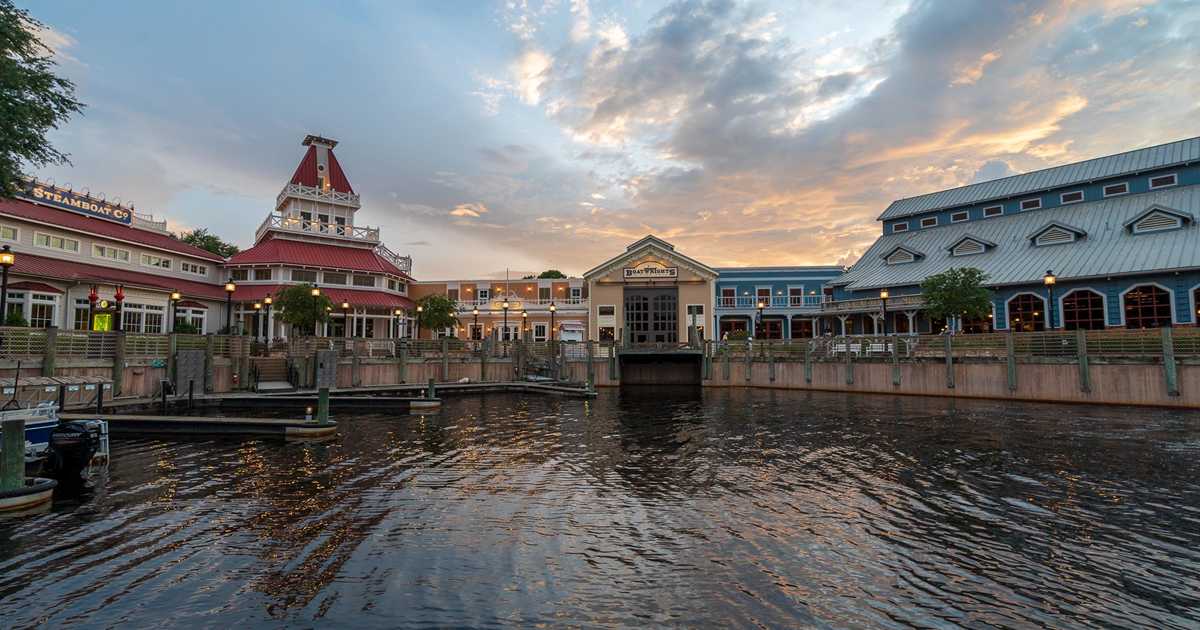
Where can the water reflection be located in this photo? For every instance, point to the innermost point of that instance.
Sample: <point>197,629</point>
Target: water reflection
<point>654,506</point>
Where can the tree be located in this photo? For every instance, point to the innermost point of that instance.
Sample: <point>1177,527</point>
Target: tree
<point>301,309</point>
<point>552,274</point>
<point>32,99</point>
<point>957,292</point>
<point>209,242</point>
<point>184,327</point>
<point>438,311</point>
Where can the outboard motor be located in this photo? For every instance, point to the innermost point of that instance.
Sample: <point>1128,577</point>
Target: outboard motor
<point>72,446</point>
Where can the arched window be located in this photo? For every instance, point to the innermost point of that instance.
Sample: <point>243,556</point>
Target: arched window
<point>1082,308</point>
<point>1147,306</point>
<point>1027,313</point>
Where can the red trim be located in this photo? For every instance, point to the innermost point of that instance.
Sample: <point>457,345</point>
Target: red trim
<point>43,267</point>
<point>34,286</point>
<point>190,304</point>
<point>356,297</point>
<point>278,251</point>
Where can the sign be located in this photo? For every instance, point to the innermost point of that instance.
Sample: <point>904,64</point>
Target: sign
<point>651,270</point>
<point>75,202</point>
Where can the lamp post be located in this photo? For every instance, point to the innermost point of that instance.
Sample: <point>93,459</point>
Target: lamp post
<point>1049,279</point>
<point>504,306</point>
<point>524,322</point>
<point>883,296</point>
<point>420,309</point>
<point>257,320</point>
<point>396,315</point>
<point>346,317</point>
<point>475,324</point>
<point>7,260</point>
<point>229,289</point>
<point>175,297</point>
<point>553,309</point>
<point>267,302</point>
<point>758,322</point>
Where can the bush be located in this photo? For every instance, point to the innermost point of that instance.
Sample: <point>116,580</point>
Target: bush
<point>739,335</point>
<point>15,319</point>
<point>185,327</point>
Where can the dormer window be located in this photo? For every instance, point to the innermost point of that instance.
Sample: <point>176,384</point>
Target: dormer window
<point>1075,196</point>
<point>900,227</point>
<point>993,211</point>
<point>1031,204</point>
<point>969,246</point>
<point>1054,236</point>
<point>1158,219</point>
<point>900,255</point>
<point>1163,181</point>
<point>959,217</point>
<point>929,222</point>
<point>1112,190</point>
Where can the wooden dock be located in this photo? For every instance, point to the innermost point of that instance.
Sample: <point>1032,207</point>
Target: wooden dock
<point>208,425</point>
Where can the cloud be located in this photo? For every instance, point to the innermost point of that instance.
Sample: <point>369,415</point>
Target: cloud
<point>992,169</point>
<point>472,210</point>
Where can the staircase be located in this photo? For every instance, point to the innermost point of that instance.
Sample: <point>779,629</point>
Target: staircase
<point>272,374</point>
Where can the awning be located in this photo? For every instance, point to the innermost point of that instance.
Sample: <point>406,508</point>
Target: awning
<point>40,287</point>
<point>190,304</point>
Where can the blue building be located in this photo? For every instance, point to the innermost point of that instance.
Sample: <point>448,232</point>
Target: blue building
<point>790,300</point>
<point>1116,235</point>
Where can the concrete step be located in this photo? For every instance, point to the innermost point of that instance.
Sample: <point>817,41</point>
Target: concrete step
<point>275,386</point>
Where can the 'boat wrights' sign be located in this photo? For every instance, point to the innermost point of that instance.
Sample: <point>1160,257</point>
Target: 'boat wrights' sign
<point>76,202</point>
<point>651,270</point>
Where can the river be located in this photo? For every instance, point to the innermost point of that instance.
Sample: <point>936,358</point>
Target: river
<point>725,508</point>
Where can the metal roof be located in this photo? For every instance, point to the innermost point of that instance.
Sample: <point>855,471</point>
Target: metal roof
<point>1138,160</point>
<point>1108,249</point>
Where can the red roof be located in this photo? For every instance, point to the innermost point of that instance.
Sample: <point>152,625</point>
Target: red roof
<point>43,267</point>
<point>356,297</point>
<point>100,227</point>
<point>40,287</point>
<point>306,173</point>
<point>305,254</point>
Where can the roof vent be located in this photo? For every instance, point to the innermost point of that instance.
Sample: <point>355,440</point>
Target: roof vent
<point>968,247</point>
<point>1054,236</point>
<point>1157,221</point>
<point>899,257</point>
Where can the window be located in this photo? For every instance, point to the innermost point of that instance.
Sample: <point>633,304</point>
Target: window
<point>262,274</point>
<point>335,278</point>
<point>959,217</point>
<point>42,310</point>
<point>193,316</point>
<point>1025,313</point>
<point>199,270</point>
<point>340,222</point>
<point>1112,190</point>
<point>452,294</point>
<point>1054,235</point>
<point>1083,308</point>
<point>544,294</point>
<point>576,295</point>
<point>484,295</point>
<point>539,332</point>
<point>391,284</point>
<point>80,321</point>
<point>1162,181</point>
<point>1157,221</point>
<point>368,281</point>
<point>1147,306</point>
<point>303,275</point>
<point>16,304</point>
<point>968,247</point>
<point>51,241</point>
<point>1075,196</point>
<point>899,257</point>
<point>238,275</point>
<point>900,227</point>
<point>8,233</point>
<point>796,296</point>
<point>728,297</point>
<point>153,260</point>
<point>993,211</point>
<point>110,252</point>
<point>1031,204</point>
<point>929,222</point>
<point>762,295</point>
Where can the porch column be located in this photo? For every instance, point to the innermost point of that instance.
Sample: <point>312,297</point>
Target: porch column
<point>816,321</point>
<point>842,319</point>
<point>875,317</point>
<point>912,321</point>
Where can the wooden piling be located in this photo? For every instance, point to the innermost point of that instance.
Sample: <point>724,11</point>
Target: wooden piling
<point>51,354</point>
<point>12,457</point>
<point>949,362</point>
<point>323,405</point>
<point>849,361</point>
<point>895,360</point>
<point>1081,349</point>
<point>1170,370</point>
<point>118,368</point>
<point>1010,347</point>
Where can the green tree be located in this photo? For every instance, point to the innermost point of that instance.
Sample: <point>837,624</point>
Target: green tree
<point>552,274</point>
<point>32,99</point>
<point>957,292</point>
<point>15,318</point>
<point>209,242</point>
<point>438,311</point>
<point>297,306</point>
<point>184,327</point>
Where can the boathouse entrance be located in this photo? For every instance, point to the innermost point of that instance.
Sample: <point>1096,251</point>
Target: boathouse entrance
<point>652,315</point>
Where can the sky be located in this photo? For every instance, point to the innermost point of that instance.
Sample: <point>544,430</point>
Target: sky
<point>528,134</point>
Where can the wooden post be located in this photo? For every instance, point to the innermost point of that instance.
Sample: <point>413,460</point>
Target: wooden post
<point>849,361</point>
<point>563,370</point>
<point>210,348</point>
<point>355,368</point>
<point>1011,348</point>
<point>323,405</point>
<point>118,365</point>
<point>483,357</point>
<point>244,363</point>
<point>172,348</point>
<point>1085,373</point>
<point>591,366</point>
<point>949,363</point>
<point>12,457</point>
<point>808,362</point>
<point>1169,367</point>
<point>403,361</point>
<point>49,359</point>
<point>771,363</point>
<point>445,359</point>
<point>895,359</point>
<point>749,360</point>
<point>728,362</point>
<point>432,393</point>
<point>616,363</point>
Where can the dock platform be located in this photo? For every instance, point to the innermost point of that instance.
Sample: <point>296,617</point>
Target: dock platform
<point>205,425</point>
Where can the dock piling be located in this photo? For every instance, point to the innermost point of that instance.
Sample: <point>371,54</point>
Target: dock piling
<point>323,405</point>
<point>191,393</point>
<point>432,388</point>
<point>12,458</point>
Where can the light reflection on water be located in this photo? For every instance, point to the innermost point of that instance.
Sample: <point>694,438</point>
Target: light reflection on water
<point>649,507</point>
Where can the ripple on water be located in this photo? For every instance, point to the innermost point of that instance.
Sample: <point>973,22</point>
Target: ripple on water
<point>678,507</point>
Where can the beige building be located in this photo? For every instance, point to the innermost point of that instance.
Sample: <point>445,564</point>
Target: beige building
<point>652,291</point>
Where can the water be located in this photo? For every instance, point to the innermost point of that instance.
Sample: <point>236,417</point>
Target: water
<point>739,508</point>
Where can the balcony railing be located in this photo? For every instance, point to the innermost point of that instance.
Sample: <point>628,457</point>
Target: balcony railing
<point>404,263</point>
<point>299,225</point>
<point>313,193</point>
<point>775,301</point>
<point>515,304</point>
<point>868,305</point>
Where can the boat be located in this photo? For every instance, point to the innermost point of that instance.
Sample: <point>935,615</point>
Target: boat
<point>60,449</point>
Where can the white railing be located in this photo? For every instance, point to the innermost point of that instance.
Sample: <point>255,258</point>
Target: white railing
<point>775,301</point>
<point>147,222</point>
<point>899,302</point>
<point>316,194</point>
<point>301,226</point>
<point>404,263</point>
<point>515,304</point>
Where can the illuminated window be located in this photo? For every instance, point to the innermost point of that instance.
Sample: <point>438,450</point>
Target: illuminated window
<point>1147,306</point>
<point>1027,313</point>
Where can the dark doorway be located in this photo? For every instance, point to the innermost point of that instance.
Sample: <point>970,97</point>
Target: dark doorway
<point>652,315</point>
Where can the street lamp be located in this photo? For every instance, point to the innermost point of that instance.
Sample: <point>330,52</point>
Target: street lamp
<point>267,301</point>
<point>420,309</point>
<point>883,296</point>
<point>475,324</point>
<point>346,317</point>
<point>553,308</point>
<point>1049,279</point>
<point>229,289</point>
<point>524,322</point>
<point>397,314</point>
<point>316,291</point>
<point>257,319</point>
<point>758,323</point>
<point>7,260</point>
<point>504,305</point>
<point>175,297</point>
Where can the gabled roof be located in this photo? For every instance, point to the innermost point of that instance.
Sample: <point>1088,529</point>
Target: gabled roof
<point>1056,224</point>
<point>970,237</point>
<point>650,243</point>
<point>916,253</point>
<point>1108,250</point>
<point>1186,217</point>
<point>1136,161</point>
<point>281,251</point>
<point>46,267</point>
<point>306,172</point>
<point>76,222</point>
